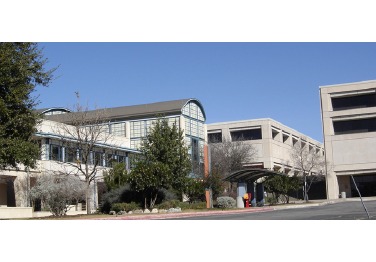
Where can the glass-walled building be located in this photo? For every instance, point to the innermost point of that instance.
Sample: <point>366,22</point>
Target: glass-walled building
<point>127,125</point>
<point>133,123</point>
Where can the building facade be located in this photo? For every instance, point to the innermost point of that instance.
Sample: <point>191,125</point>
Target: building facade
<point>272,141</point>
<point>273,145</point>
<point>349,127</point>
<point>126,126</point>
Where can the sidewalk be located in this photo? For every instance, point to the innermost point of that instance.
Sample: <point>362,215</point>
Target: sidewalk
<point>297,204</point>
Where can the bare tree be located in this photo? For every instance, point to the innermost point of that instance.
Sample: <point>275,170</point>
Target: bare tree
<point>310,164</point>
<point>58,192</point>
<point>229,156</point>
<point>83,134</point>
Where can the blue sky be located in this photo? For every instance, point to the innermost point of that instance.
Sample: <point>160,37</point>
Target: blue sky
<point>234,81</point>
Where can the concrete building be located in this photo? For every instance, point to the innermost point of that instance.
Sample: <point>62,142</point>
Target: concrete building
<point>272,140</point>
<point>273,143</point>
<point>349,128</point>
<point>126,126</point>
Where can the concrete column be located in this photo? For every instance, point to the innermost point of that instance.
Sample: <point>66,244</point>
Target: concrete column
<point>127,165</point>
<point>62,158</point>
<point>241,190</point>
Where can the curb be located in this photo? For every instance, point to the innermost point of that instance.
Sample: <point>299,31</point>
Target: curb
<point>185,215</point>
<point>225,212</point>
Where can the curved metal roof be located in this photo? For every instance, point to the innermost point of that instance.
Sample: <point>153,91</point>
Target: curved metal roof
<point>136,111</point>
<point>249,175</point>
<point>50,109</point>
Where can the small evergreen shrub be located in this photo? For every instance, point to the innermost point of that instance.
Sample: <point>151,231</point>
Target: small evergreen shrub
<point>169,204</point>
<point>226,202</point>
<point>272,200</point>
<point>184,205</point>
<point>117,207</point>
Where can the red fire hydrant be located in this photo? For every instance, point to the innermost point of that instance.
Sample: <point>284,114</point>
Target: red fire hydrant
<point>246,199</point>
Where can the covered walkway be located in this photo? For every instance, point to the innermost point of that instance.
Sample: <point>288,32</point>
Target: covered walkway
<point>246,180</point>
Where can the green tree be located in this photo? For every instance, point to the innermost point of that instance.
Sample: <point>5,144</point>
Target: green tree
<point>149,178</point>
<point>195,190</point>
<point>22,68</point>
<point>116,177</point>
<point>281,186</point>
<point>215,182</point>
<point>164,163</point>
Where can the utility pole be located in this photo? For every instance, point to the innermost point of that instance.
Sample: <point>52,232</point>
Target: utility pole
<point>360,197</point>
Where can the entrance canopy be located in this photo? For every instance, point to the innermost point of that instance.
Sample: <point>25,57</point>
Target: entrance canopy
<point>249,175</point>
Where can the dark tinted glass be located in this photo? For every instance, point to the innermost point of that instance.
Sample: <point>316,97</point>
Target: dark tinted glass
<point>215,138</point>
<point>250,134</point>
<point>342,103</point>
<point>354,126</point>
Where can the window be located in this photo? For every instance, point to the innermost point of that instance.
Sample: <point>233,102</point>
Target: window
<point>195,150</point>
<point>55,153</point>
<point>194,128</point>
<point>187,127</point>
<point>39,143</point>
<point>135,129</point>
<point>98,158</point>
<point>350,102</point>
<point>250,134</point>
<point>136,143</point>
<point>215,137</point>
<point>173,121</point>
<point>118,129</point>
<point>354,126</point>
<point>201,130</point>
<point>70,155</point>
<point>192,110</point>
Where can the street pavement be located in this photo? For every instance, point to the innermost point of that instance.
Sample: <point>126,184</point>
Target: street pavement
<point>220,214</point>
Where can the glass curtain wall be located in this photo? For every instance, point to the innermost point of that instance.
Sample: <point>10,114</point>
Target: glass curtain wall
<point>195,136</point>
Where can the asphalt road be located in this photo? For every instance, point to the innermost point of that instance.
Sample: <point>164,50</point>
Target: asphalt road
<point>349,210</point>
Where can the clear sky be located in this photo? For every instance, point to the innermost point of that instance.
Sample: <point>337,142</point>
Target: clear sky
<point>217,61</point>
<point>234,81</point>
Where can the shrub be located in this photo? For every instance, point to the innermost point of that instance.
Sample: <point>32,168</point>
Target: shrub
<point>169,204</point>
<point>184,205</point>
<point>117,207</point>
<point>272,200</point>
<point>198,205</point>
<point>125,194</point>
<point>58,192</point>
<point>226,202</point>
